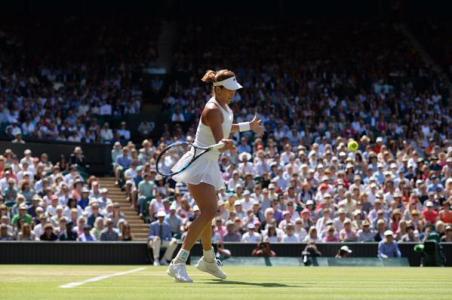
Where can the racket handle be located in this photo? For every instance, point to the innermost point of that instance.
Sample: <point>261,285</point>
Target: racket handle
<point>218,146</point>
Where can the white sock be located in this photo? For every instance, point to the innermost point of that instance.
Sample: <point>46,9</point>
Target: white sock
<point>181,257</point>
<point>209,255</point>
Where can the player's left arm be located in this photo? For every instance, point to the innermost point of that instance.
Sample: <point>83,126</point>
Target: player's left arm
<point>255,125</point>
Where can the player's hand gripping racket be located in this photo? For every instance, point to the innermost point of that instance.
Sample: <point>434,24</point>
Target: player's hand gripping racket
<point>177,157</point>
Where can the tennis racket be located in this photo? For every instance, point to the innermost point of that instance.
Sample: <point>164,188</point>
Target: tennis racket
<point>177,157</point>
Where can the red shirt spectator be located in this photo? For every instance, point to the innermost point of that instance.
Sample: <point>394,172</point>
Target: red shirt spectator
<point>430,214</point>
<point>445,214</point>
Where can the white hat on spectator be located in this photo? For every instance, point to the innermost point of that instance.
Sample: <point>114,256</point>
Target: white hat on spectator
<point>309,202</point>
<point>238,185</point>
<point>346,249</point>
<point>238,202</point>
<point>244,156</point>
<point>27,152</point>
<point>195,208</point>
<point>246,193</point>
<point>230,223</point>
<point>130,181</point>
<point>161,214</point>
<point>251,226</point>
<point>271,186</point>
<point>379,139</point>
<point>389,232</point>
<point>429,204</point>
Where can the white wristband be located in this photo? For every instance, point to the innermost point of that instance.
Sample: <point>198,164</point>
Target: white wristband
<point>244,126</point>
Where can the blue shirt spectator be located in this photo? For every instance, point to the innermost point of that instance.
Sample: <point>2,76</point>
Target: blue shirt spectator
<point>160,229</point>
<point>124,160</point>
<point>388,247</point>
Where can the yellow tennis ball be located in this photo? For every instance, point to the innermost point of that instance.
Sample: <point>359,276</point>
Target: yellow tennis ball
<point>353,145</point>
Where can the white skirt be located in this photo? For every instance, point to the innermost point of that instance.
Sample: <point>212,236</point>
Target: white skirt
<point>205,169</point>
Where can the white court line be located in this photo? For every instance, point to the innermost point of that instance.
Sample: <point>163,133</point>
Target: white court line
<point>98,278</point>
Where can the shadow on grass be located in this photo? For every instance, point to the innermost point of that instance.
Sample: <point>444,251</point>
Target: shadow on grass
<point>259,284</point>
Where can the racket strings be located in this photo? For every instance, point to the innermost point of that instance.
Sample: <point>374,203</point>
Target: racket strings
<point>174,159</point>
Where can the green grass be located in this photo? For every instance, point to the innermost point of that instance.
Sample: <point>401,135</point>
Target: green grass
<point>44,281</point>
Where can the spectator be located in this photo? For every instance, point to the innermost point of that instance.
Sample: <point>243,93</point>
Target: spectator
<point>174,221</point>
<point>98,227</point>
<point>331,235</point>
<point>26,234</point>
<point>66,231</point>
<point>87,236</point>
<point>344,252</point>
<point>447,237</point>
<point>126,234</point>
<point>348,234</point>
<point>411,235</point>
<point>22,217</point>
<point>366,234</point>
<point>231,233</point>
<point>263,249</point>
<point>49,234</point>
<point>109,233</point>
<point>388,248</point>
<point>4,234</point>
<point>429,213</point>
<point>145,191</point>
<point>95,213</point>
<point>160,237</point>
<point>289,235</point>
<point>251,236</point>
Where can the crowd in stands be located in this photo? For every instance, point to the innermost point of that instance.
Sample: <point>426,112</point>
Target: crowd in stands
<point>324,193</point>
<point>43,201</point>
<point>315,88</point>
<point>71,76</point>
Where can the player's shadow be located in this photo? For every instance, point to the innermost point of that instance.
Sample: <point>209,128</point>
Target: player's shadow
<point>260,284</point>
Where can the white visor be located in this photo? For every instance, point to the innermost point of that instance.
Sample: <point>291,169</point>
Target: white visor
<point>230,83</point>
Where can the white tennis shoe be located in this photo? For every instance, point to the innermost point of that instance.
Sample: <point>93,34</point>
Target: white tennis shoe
<point>213,268</point>
<point>179,272</point>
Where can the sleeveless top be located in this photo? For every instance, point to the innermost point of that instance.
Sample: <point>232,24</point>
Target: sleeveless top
<point>204,136</point>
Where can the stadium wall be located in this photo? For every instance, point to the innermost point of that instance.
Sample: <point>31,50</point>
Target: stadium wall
<point>137,252</point>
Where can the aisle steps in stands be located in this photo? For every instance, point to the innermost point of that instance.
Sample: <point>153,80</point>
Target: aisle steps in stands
<point>139,228</point>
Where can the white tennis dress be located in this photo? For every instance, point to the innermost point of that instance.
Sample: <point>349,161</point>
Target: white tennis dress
<point>206,169</point>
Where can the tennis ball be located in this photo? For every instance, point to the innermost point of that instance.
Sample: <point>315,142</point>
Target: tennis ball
<point>353,145</point>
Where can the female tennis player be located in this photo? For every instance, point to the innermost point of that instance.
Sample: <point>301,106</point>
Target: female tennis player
<point>203,177</point>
